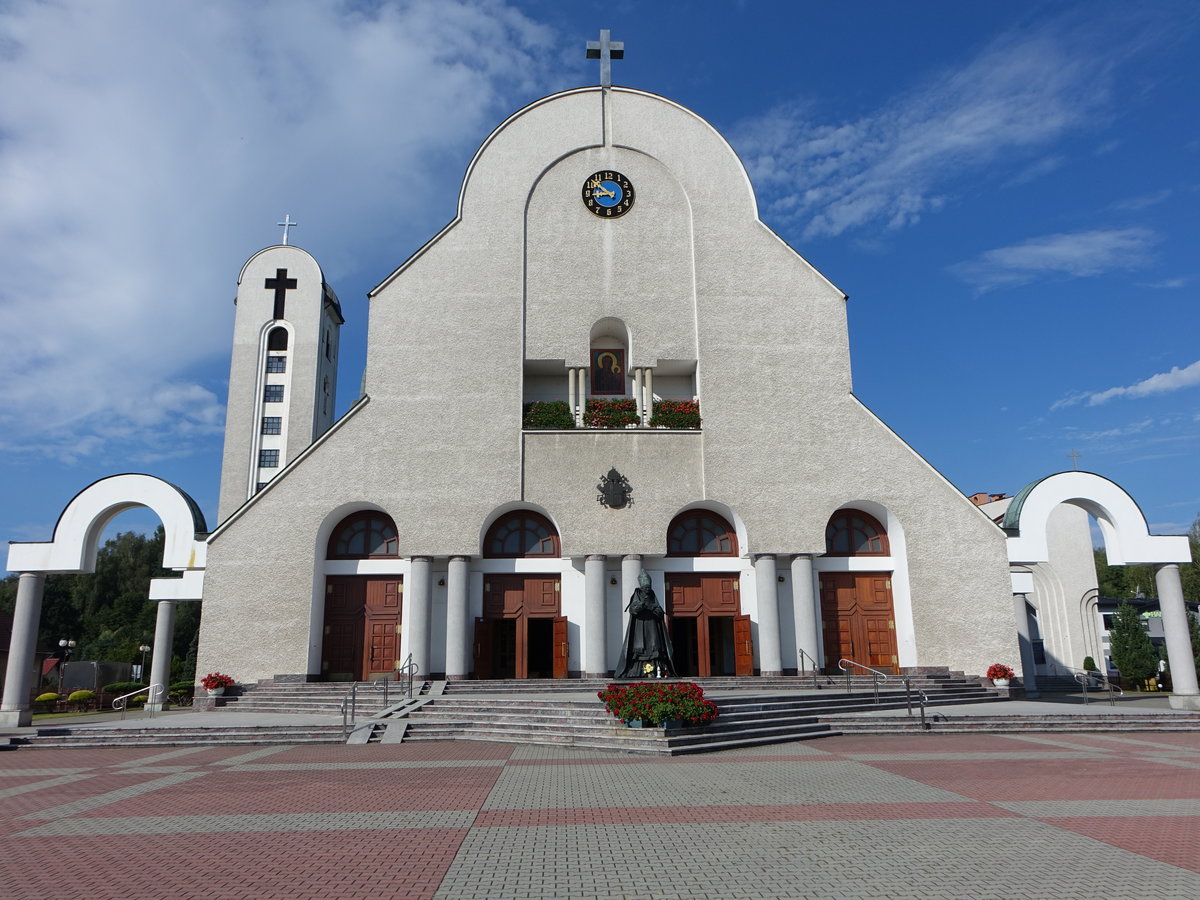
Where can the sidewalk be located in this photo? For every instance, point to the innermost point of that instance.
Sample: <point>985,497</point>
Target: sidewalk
<point>907,817</point>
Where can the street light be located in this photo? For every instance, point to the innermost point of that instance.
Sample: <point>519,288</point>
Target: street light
<point>145,648</point>
<point>65,648</point>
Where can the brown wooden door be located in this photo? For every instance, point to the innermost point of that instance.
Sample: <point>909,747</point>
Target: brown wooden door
<point>483,648</point>
<point>382,616</point>
<point>743,646</point>
<point>342,644</point>
<point>859,620</point>
<point>562,647</point>
<point>703,597</point>
<point>520,598</point>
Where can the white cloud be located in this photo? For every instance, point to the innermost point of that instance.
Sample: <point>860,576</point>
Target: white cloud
<point>1080,254</point>
<point>1168,283</point>
<point>147,149</point>
<point>1162,383</point>
<point>1020,94</point>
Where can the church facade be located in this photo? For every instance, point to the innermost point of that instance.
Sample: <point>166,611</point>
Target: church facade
<point>607,264</point>
<point>605,368</point>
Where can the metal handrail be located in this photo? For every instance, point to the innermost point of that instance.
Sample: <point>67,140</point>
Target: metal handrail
<point>804,669</point>
<point>1084,678</point>
<point>876,675</point>
<point>153,692</point>
<point>409,668</point>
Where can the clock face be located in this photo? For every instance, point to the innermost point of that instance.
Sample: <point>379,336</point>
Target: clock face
<point>607,194</point>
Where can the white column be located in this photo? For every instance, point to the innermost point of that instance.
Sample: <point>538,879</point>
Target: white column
<point>1184,692</point>
<point>1025,645</point>
<point>419,593</point>
<point>580,394</point>
<point>804,612</point>
<point>160,662</point>
<point>458,622</point>
<point>14,710</point>
<point>643,417</point>
<point>649,402</point>
<point>571,391</point>
<point>595,645</point>
<point>770,659</point>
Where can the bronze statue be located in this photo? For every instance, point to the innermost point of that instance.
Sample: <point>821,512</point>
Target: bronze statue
<point>646,639</point>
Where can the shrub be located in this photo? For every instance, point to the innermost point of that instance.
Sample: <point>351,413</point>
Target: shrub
<point>47,701</point>
<point>1089,664</point>
<point>654,703</point>
<point>676,414</point>
<point>616,413</point>
<point>181,687</point>
<point>547,414</point>
<point>1132,652</point>
<point>122,687</point>
<point>81,700</point>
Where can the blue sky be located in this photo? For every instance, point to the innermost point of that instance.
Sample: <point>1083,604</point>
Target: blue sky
<point>1007,192</point>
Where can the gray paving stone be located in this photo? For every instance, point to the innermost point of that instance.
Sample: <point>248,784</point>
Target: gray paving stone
<point>905,860</point>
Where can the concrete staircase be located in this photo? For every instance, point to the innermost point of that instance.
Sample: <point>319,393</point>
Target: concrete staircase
<point>181,736</point>
<point>744,721</point>
<point>1065,723</point>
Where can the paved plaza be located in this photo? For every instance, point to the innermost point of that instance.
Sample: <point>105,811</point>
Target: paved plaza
<point>923,816</point>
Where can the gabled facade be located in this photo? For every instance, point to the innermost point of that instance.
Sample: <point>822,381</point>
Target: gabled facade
<point>790,529</point>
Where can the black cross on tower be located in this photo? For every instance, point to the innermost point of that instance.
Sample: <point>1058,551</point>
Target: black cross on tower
<point>605,51</point>
<point>280,284</point>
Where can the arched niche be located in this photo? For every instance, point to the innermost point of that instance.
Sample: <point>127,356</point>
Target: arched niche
<point>77,532</point>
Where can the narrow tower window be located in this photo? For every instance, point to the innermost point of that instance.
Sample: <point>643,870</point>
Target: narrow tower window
<point>277,339</point>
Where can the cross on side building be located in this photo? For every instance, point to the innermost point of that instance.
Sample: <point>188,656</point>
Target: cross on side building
<point>605,51</point>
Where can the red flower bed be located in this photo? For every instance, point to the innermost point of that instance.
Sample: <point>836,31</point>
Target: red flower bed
<point>654,703</point>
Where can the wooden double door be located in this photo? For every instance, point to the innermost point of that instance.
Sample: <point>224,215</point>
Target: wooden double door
<point>859,619</point>
<point>363,614</point>
<point>709,635</point>
<point>521,634</point>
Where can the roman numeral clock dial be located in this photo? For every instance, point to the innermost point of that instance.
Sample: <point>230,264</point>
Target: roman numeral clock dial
<point>607,194</point>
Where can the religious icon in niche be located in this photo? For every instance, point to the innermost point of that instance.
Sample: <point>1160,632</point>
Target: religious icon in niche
<point>608,371</point>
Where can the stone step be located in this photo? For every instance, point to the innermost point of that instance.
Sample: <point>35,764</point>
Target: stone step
<point>1132,722</point>
<point>182,736</point>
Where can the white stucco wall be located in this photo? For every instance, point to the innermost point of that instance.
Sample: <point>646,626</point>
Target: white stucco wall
<point>524,273</point>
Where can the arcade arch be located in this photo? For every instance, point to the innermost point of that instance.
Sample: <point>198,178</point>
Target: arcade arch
<point>73,549</point>
<point>1127,541</point>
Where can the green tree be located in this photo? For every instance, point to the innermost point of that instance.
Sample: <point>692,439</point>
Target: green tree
<point>1194,631</point>
<point>1132,651</point>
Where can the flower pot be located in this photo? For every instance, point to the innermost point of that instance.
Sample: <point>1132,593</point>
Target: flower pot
<point>672,723</point>
<point>1000,682</point>
<point>633,723</point>
<point>215,692</point>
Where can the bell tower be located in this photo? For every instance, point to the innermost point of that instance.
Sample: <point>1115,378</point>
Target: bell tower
<point>283,372</point>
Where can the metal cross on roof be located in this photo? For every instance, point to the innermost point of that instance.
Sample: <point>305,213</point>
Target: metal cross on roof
<point>287,223</point>
<point>605,51</point>
<point>1075,454</point>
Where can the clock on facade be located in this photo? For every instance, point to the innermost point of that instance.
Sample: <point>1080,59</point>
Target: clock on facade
<point>607,194</point>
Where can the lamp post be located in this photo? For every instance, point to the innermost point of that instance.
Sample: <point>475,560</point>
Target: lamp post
<point>145,648</point>
<point>65,648</point>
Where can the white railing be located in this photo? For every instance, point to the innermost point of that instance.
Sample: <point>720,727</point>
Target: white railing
<point>153,692</point>
<point>876,675</point>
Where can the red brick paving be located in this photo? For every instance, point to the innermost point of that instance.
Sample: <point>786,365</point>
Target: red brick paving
<point>1051,779</point>
<point>336,790</point>
<point>899,744</point>
<point>1169,839</point>
<point>314,864</point>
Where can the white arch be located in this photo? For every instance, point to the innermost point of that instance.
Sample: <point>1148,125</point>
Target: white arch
<point>1127,540</point>
<point>78,530</point>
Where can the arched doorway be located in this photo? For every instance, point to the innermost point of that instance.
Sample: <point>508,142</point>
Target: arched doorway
<point>857,612</point>
<point>363,613</point>
<point>709,634</point>
<point>521,633</point>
